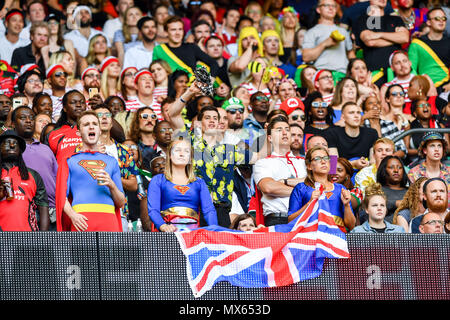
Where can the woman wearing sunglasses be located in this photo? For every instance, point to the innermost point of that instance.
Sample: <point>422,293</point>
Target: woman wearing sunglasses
<point>318,181</point>
<point>395,100</point>
<point>319,115</point>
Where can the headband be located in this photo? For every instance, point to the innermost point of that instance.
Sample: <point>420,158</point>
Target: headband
<point>141,73</point>
<point>107,61</point>
<point>87,70</point>
<point>52,69</point>
<point>124,70</point>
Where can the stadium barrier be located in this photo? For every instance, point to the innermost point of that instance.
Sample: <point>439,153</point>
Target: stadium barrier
<point>151,266</point>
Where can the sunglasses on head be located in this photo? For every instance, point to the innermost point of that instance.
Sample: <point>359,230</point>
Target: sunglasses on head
<point>145,116</point>
<point>317,104</point>
<point>233,111</point>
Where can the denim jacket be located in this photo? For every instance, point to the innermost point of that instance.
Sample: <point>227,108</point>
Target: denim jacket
<point>366,228</point>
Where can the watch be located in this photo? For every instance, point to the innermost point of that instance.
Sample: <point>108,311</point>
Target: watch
<point>285,181</point>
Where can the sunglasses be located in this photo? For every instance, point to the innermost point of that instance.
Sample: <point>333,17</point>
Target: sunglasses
<point>439,18</point>
<point>423,105</point>
<point>317,104</point>
<point>106,114</point>
<point>131,147</point>
<point>262,98</point>
<point>61,74</point>
<point>233,111</point>
<point>296,117</point>
<point>398,94</point>
<point>145,116</point>
<point>324,158</point>
<point>164,130</point>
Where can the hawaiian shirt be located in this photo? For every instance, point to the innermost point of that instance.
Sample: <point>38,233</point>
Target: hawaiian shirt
<point>365,177</point>
<point>215,165</point>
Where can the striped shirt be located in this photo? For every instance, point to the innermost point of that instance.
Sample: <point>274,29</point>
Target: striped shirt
<point>403,83</point>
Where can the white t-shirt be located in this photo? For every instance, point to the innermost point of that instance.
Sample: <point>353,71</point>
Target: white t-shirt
<point>7,48</point>
<point>278,167</point>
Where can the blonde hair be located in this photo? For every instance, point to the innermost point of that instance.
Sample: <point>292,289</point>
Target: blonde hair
<point>125,28</point>
<point>373,189</point>
<point>104,89</point>
<point>189,170</point>
<point>57,57</point>
<point>91,58</point>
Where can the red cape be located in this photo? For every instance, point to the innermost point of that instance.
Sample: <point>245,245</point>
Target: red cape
<point>63,222</point>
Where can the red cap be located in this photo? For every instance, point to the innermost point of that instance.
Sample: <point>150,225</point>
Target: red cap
<point>291,104</point>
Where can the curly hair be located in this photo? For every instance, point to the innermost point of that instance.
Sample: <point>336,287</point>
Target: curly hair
<point>373,189</point>
<point>411,200</point>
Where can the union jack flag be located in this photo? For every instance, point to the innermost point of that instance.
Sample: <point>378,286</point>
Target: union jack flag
<point>273,256</point>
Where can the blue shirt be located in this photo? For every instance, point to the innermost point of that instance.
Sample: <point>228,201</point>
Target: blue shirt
<point>163,194</point>
<point>81,182</point>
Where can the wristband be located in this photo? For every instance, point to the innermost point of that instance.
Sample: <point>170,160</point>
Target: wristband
<point>182,100</point>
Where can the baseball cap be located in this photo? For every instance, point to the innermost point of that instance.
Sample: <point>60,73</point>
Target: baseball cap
<point>291,104</point>
<point>233,103</point>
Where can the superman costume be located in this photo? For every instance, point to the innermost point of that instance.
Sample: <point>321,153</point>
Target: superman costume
<point>302,194</point>
<point>179,204</point>
<point>76,180</point>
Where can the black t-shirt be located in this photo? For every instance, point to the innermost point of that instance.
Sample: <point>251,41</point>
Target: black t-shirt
<point>349,147</point>
<point>377,58</point>
<point>440,47</point>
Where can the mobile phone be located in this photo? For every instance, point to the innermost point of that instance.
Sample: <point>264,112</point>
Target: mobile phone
<point>93,92</point>
<point>17,103</point>
<point>333,164</point>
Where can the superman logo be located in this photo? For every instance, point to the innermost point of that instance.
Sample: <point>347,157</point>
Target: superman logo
<point>92,166</point>
<point>182,189</point>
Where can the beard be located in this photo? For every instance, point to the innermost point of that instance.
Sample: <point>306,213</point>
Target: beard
<point>148,39</point>
<point>85,24</point>
<point>437,207</point>
<point>235,125</point>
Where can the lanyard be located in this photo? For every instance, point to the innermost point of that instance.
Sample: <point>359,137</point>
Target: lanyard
<point>288,160</point>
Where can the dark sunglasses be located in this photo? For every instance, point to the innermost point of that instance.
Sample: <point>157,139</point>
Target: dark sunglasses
<point>400,93</point>
<point>61,74</point>
<point>296,117</point>
<point>233,111</point>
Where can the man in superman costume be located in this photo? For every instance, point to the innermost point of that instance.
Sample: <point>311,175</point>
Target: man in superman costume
<point>89,189</point>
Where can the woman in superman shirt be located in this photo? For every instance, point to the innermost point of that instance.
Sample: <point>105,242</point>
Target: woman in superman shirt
<point>176,197</point>
<point>317,162</point>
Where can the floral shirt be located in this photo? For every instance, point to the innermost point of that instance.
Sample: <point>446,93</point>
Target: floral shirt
<point>215,164</point>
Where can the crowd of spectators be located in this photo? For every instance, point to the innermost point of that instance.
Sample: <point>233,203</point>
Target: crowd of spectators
<point>108,120</point>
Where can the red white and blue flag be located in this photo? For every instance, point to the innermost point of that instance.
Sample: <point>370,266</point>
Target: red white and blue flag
<point>268,257</point>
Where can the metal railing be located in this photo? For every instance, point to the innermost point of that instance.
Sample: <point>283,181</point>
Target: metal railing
<point>420,130</point>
